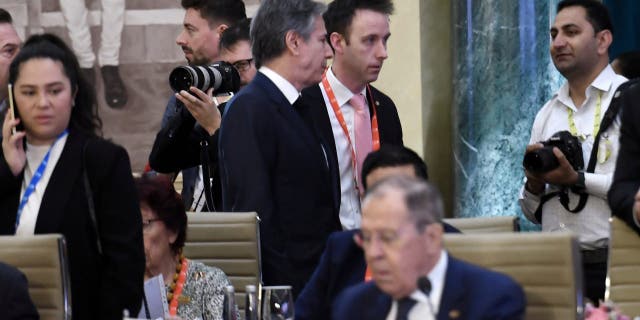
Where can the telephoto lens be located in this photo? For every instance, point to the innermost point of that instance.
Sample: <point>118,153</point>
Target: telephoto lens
<point>221,76</point>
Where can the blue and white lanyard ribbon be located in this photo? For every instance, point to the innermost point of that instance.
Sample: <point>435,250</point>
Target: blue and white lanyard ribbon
<point>36,178</point>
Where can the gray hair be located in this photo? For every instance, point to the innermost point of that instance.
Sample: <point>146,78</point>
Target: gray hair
<point>422,199</point>
<point>277,17</point>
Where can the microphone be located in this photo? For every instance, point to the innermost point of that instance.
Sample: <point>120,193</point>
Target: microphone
<point>424,285</point>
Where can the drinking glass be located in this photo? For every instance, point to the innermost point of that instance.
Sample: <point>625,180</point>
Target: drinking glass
<point>277,303</point>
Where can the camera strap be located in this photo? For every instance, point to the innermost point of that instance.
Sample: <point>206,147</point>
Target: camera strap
<point>206,175</point>
<point>607,120</point>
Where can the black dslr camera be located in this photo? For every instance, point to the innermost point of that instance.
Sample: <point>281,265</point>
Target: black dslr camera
<point>221,76</point>
<point>543,159</point>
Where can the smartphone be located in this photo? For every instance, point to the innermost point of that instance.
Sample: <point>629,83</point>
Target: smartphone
<point>12,111</point>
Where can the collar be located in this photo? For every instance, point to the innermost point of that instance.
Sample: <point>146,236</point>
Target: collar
<point>603,82</point>
<point>287,89</point>
<point>343,94</point>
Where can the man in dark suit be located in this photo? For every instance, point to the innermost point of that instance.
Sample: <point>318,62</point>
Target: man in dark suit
<point>624,195</point>
<point>271,161</point>
<point>413,277</point>
<point>15,301</point>
<point>342,264</point>
<point>354,117</point>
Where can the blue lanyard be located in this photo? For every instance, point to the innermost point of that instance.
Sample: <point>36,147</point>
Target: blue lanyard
<point>36,178</point>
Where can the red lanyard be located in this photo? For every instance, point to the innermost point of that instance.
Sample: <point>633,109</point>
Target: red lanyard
<point>375,134</point>
<point>368,276</point>
<point>173,305</point>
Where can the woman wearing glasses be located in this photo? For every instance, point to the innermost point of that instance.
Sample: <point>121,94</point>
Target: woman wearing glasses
<point>194,290</point>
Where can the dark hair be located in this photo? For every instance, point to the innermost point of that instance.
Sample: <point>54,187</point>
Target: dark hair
<point>340,13</point>
<point>597,13</point>
<point>629,64</point>
<point>235,33</point>
<point>272,22</point>
<point>5,16</point>
<point>84,114</point>
<point>218,11</point>
<point>393,156</point>
<point>157,193</point>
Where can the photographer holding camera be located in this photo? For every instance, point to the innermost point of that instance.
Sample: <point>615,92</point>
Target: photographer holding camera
<point>191,120</point>
<point>569,173</point>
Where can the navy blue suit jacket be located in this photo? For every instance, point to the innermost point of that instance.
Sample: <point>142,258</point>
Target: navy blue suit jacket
<point>470,292</point>
<point>342,265</point>
<point>15,301</point>
<point>272,162</point>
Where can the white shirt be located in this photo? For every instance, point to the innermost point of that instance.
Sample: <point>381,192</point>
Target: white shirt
<point>287,89</point>
<point>350,214</point>
<point>592,223</point>
<point>422,309</point>
<point>198,193</point>
<point>35,154</point>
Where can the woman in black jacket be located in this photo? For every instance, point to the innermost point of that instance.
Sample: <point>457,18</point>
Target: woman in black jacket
<point>58,176</point>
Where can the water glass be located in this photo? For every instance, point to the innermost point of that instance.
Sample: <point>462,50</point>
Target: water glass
<point>277,303</point>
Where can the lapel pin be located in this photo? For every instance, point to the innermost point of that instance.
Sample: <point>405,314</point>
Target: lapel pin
<point>454,314</point>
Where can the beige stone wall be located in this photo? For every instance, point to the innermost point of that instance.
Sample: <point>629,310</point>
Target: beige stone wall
<point>417,76</point>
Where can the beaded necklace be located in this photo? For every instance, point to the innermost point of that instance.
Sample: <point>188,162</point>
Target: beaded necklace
<point>175,289</point>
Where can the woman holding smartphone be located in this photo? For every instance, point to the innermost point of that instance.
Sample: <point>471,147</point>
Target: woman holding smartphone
<point>58,176</point>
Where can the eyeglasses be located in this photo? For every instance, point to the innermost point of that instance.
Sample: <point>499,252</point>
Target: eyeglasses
<point>146,224</point>
<point>242,65</point>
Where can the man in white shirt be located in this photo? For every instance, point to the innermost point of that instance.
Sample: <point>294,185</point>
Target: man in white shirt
<point>413,276</point>
<point>580,37</point>
<point>354,117</point>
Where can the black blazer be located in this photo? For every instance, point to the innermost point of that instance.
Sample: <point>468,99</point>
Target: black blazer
<point>626,179</point>
<point>273,163</point>
<point>315,115</point>
<point>101,286</point>
<point>15,301</point>
<point>470,292</point>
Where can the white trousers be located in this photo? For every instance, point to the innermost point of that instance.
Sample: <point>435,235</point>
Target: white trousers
<point>76,17</point>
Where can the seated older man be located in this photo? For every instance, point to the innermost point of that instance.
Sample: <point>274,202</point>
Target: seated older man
<point>342,263</point>
<point>413,276</point>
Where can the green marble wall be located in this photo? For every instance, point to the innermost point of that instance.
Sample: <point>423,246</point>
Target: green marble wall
<point>502,76</point>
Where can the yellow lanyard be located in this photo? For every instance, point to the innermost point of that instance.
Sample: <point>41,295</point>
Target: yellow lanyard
<point>596,120</point>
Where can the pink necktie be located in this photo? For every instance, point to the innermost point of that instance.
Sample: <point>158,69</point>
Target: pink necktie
<point>362,124</point>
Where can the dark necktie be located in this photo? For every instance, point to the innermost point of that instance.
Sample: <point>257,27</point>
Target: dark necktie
<point>404,306</point>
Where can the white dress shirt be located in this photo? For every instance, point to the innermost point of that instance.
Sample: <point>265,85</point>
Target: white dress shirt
<point>350,214</point>
<point>35,154</point>
<point>422,309</point>
<point>592,223</point>
<point>287,89</point>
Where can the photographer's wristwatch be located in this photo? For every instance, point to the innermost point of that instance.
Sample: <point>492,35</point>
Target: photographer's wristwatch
<point>579,186</point>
